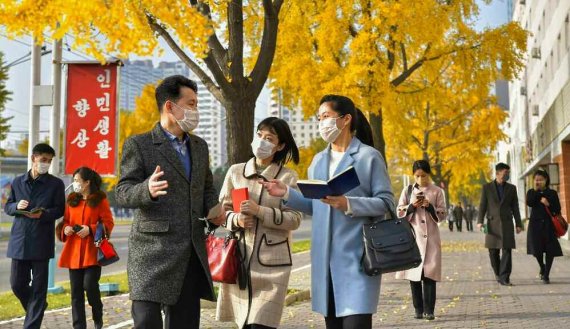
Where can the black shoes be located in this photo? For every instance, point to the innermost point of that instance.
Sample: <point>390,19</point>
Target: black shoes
<point>429,316</point>
<point>419,315</point>
<point>545,280</point>
<point>504,283</point>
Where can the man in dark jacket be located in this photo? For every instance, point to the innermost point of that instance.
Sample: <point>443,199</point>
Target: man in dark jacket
<point>469,214</point>
<point>36,200</point>
<point>499,204</point>
<point>165,176</point>
<point>458,216</point>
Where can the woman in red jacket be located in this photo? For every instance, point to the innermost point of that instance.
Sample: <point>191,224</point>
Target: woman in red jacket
<point>86,206</point>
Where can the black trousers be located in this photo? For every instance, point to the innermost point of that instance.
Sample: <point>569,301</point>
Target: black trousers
<point>450,224</point>
<point>357,321</point>
<point>459,225</point>
<point>85,279</point>
<point>185,313</point>
<point>33,298</point>
<point>423,295</point>
<point>469,225</point>
<point>502,264</point>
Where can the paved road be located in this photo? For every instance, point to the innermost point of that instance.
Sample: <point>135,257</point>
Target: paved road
<point>468,296</point>
<point>120,241</point>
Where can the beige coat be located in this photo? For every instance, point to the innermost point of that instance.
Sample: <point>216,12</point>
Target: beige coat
<point>427,232</point>
<point>268,247</point>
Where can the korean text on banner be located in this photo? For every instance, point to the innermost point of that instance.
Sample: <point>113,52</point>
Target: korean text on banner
<point>91,120</point>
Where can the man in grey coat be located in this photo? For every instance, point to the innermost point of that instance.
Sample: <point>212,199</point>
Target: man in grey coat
<point>165,176</point>
<point>499,204</point>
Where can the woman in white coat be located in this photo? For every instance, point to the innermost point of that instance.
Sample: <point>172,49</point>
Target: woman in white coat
<point>266,225</point>
<point>340,290</point>
<point>423,204</point>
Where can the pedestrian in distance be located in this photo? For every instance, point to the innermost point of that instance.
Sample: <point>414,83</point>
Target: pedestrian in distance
<point>541,240</point>
<point>165,176</point>
<point>423,205</point>
<point>449,218</point>
<point>340,290</point>
<point>499,205</point>
<point>86,207</point>
<point>458,216</point>
<point>469,214</point>
<point>37,200</point>
<point>265,225</point>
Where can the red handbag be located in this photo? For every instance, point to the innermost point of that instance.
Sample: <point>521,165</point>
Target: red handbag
<point>223,258</point>
<point>560,224</point>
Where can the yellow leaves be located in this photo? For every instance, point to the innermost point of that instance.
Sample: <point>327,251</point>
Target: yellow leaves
<point>101,27</point>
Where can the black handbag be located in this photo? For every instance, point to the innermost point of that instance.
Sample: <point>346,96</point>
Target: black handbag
<point>389,245</point>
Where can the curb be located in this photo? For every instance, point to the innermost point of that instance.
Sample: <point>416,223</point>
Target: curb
<point>299,296</point>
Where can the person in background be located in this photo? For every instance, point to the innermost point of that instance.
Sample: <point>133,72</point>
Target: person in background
<point>458,216</point>
<point>266,224</point>
<point>340,290</point>
<point>469,214</point>
<point>424,208</point>
<point>32,243</point>
<point>449,217</point>
<point>541,241</point>
<point>499,204</point>
<point>86,207</point>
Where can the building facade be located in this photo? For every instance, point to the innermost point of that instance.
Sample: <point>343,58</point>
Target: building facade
<point>539,120</point>
<point>303,130</point>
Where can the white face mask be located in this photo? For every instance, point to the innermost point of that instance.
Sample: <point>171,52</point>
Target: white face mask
<point>77,187</point>
<point>43,167</point>
<point>261,148</point>
<point>190,120</point>
<point>328,129</point>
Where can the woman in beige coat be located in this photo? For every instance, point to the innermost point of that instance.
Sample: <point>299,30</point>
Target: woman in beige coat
<point>423,204</point>
<point>267,226</point>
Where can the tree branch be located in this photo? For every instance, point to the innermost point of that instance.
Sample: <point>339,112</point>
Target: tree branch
<point>216,49</point>
<point>268,44</point>
<point>212,87</point>
<point>235,49</point>
<point>404,58</point>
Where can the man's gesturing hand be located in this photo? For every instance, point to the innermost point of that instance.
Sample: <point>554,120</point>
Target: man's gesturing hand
<point>157,187</point>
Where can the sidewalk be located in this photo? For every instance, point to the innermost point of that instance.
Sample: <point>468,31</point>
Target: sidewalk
<point>468,297</point>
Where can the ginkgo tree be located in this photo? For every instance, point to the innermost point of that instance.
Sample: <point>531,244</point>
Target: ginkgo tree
<point>454,126</point>
<point>228,44</point>
<point>372,51</point>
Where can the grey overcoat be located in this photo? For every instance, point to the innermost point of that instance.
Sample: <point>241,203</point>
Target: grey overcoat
<point>164,231</point>
<point>499,214</point>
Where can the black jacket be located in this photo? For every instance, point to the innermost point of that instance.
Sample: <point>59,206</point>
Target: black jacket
<point>540,235</point>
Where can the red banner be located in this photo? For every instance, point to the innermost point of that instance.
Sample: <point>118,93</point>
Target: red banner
<point>91,121</point>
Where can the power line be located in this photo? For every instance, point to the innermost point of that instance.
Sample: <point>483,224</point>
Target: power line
<point>15,40</point>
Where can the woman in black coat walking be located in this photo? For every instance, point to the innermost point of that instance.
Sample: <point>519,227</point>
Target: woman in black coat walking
<point>540,237</point>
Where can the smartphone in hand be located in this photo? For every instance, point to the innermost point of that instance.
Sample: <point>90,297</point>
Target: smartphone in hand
<point>77,228</point>
<point>420,195</point>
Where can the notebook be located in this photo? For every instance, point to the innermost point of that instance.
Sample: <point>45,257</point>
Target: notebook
<point>339,184</point>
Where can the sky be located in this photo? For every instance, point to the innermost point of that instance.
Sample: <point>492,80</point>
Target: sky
<point>19,76</point>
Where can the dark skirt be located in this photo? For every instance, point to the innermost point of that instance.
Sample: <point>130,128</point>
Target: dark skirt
<point>541,238</point>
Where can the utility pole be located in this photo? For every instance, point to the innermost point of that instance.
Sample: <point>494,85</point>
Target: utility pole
<point>34,119</point>
<point>54,140</point>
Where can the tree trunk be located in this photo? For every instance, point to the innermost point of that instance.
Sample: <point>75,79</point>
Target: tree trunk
<point>378,133</point>
<point>239,124</point>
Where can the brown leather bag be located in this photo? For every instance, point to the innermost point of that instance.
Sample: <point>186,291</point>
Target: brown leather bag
<point>58,229</point>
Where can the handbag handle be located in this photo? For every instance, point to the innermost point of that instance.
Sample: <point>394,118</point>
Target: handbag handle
<point>391,211</point>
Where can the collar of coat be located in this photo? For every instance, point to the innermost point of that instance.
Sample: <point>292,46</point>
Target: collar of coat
<point>93,200</point>
<point>271,172</point>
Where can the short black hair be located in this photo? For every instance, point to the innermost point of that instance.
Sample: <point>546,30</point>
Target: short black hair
<point>279,127</point>
<point>543,173</point>
<point>501,166</point>
<point>88,174</point>
<point>43,148</point>
<point>423,165</point>
<point>169,89</point>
